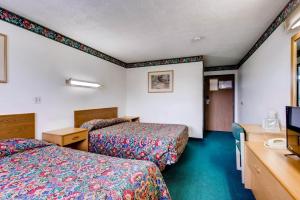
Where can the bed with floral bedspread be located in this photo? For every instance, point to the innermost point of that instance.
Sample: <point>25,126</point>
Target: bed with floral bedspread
<point>160,143</point>
<point>30,169</point>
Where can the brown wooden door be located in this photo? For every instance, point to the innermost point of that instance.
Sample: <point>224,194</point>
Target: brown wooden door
<point>218,102</point>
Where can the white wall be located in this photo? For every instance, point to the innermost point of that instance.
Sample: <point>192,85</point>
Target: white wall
<point>264,79</point>
<point>236,92</point>
<point>38,67</point>
<point>183,106</point>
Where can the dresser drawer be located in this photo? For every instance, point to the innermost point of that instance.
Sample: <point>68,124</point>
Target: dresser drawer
<point>75,137</point>
<point>263,184</point>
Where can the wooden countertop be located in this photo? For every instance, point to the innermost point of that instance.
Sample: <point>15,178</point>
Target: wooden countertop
<point>258,129</point>
<point>255,132</point>
<point>285,169</point>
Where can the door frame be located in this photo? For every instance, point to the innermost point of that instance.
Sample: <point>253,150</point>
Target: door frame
<point>235,98</point>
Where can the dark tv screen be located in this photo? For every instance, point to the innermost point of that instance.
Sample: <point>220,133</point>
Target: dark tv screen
<point>295,117</point>
<point>293,129</point>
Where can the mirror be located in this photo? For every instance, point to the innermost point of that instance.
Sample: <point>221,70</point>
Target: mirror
<point>295,76</point>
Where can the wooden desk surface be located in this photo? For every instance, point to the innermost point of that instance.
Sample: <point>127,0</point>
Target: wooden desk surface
<point>258,129</point>
<point>255,132</point>
<point>285,169</point>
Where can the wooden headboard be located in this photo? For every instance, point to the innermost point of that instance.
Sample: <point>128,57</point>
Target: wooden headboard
<point>17,126</point>
<point>81,116</point>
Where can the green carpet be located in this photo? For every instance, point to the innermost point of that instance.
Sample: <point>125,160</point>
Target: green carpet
<point>206,171</point>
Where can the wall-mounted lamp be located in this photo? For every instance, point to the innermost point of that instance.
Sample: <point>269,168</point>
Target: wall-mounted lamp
<point>79,83</point>
<point>293,21</point>
<point>296,24</point>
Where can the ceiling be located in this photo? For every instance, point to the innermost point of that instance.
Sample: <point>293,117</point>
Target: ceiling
<point>140,30</point>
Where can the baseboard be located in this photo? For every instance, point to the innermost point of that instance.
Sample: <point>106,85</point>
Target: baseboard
<point>195,139</point>
<point>219,131</point>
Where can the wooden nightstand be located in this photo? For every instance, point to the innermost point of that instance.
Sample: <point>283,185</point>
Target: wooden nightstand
<point>132,119</point>
<point>76,138</point>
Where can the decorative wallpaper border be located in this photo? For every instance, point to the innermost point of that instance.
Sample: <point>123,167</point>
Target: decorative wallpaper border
<point>165,61</point>
<point>221,68</point>
<point>288,9</point>
<point>29,25</point>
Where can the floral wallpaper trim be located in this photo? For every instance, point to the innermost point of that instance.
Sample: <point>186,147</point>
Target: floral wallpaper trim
<point>165,61</point>
<point>288,9</point>
<point>221,68</point>
<point>27,24</point>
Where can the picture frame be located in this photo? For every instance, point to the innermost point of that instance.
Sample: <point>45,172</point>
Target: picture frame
<point>3,58</point>
<point>161,81</point>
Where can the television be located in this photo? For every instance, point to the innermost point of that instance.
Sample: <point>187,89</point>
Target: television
<point>293,129</point>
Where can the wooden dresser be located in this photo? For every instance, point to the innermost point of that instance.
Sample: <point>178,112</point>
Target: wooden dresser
<point>270,174</point>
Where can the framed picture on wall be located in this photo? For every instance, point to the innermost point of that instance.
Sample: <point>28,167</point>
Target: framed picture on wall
<point>3,58</point>
<point>160,81</point>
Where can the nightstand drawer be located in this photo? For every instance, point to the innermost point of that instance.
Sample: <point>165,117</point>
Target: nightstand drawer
<point>75,137</point>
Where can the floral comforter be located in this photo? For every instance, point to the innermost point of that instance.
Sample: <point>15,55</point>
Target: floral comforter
<point>160,143</point>
<point>52,172</point>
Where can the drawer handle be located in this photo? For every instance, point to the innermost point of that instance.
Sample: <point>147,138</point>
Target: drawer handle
<point>75,138</point>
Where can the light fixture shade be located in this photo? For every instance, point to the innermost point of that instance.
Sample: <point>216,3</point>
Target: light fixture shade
<point>80,83</point>
<point>293,21</point>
